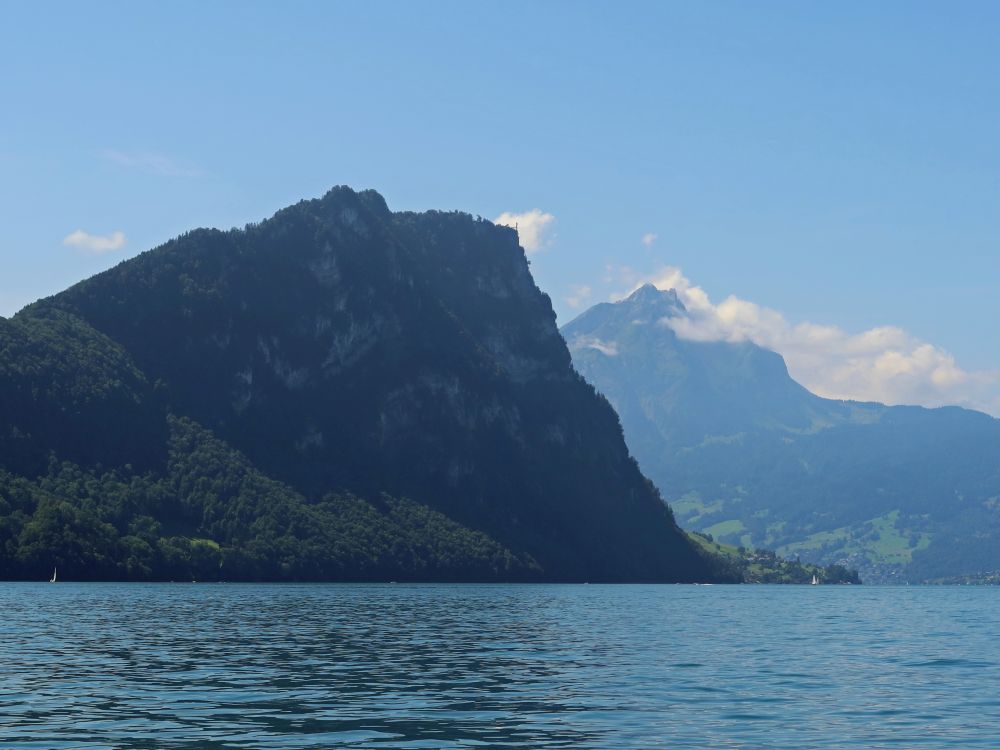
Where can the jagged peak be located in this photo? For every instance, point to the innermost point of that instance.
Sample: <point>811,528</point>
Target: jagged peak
<point>346,195</point>
<point>648,294</point>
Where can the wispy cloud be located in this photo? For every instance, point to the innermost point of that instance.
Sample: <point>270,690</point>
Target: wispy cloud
<point>607,348</point>
<point>884,364</point>
<point>579,295</point>
<point>533,228</point>
<point>95,244</point>
<point>648,239</point>
<point>152,163</point>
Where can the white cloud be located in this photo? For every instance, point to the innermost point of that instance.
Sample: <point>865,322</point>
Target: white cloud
<point>579,296</point>
<point>884,364</point>
<point>95,244</point>
<point>648,239</point>
<point>607,348</point>
<point>533,227</point>
<point>152,163</point>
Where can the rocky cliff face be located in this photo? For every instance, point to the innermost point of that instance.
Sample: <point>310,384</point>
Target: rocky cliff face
<point>340,346</point>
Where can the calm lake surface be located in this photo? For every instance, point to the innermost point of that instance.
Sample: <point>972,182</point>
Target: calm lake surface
<point>442,666</point>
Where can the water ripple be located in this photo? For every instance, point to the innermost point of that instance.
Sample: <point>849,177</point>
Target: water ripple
<point>224,666</point>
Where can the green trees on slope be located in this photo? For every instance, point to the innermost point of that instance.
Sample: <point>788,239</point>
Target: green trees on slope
<point>212,516</point>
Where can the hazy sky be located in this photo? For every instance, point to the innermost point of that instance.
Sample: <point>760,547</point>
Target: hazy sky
<point>835,166</point>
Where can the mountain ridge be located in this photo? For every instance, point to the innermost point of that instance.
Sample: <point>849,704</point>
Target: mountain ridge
<point>341,347</point>
<point>750,456</point>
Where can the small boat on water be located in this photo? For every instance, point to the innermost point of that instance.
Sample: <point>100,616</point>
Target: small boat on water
<point>53,578</point>
<point>815,580</point>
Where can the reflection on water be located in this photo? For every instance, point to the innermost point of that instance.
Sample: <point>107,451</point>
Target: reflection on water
<point>402,666</point>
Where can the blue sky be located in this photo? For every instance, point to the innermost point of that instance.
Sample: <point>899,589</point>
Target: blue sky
<point>836,164</point>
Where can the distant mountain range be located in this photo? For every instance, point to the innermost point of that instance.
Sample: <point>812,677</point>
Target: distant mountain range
<point>749,456</point>
<point>337,393</point>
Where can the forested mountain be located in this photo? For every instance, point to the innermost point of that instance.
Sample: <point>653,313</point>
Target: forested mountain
<point>749,456</point>
<point>256,403</point>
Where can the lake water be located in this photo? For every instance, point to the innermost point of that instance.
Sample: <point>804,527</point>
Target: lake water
<point>405,666</point>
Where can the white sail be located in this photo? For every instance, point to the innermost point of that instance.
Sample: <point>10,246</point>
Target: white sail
<point>53,578</point>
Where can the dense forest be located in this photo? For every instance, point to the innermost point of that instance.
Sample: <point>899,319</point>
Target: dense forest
<point>212,516</point>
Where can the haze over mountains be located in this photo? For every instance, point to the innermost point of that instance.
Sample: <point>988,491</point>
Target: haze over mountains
<point>339,392</point>
<point>745,453</point>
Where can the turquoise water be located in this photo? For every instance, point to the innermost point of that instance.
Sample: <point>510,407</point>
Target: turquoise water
<point>401,666</point>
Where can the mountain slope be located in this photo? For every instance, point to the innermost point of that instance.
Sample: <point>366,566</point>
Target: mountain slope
<point>341,347</point>
<point>209,515</point>
<point>64,387</point>
<point>750,456</point>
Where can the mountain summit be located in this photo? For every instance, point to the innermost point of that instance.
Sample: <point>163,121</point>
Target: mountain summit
<point>750,456</point>
<point>665,302</point>
<point>667,388</point>
<point>337,347</point>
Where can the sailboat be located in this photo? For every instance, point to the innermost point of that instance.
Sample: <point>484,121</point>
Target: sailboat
<point>815,580</point>
<point>53,578</point>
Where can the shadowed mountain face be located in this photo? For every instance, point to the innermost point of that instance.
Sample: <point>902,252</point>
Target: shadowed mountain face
<point>341,347</point>
<point>750,456</point>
